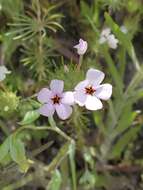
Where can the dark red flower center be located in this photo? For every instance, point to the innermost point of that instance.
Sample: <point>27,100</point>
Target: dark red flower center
<point>89,90</point>
<point>56,99</point>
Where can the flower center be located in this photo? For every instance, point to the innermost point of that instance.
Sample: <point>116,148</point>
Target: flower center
<point>56,99</point>
<point>89,90</point>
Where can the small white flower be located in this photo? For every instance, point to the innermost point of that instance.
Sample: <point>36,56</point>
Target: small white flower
<point>54,99</point>
<point>124,29</point>
<point>112,41</point>
<point>89,92</point>
<point>3,72</point>
<point>109,38</point>
<point>81,47</point>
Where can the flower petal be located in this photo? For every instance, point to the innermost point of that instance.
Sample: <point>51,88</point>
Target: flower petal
<point>102,40</point>
<point>95,76</point>
<point>80,98</point>
<point>105,32</point>
<point>2,76</point>
<point>47,110</point>
<point>112,41</point>
<point>57,86</point>
<point>81,85</point>
<point>104,91</point>
<point>68,98</point>
<point>44,95</point>
<point>93,103</point>
<point>63,111</point>
<point>81,47</point>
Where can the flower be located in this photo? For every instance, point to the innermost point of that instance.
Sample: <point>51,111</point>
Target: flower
<point>106,36</point>
<point>124,29</point>
<point>56,100</point>
<point>3,72</point>
<point>89,92</point>
<point>81,47</point>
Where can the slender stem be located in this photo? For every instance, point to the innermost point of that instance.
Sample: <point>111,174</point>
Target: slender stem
<point>73,165</point>
<point>56,129</point>
<point>59,131</point>
<point>80,62</point>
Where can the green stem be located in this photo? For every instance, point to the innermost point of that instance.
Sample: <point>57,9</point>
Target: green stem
<point>80,62</point>
<point>59,131</point>
<point>73,165</point>
<point>71,150</point>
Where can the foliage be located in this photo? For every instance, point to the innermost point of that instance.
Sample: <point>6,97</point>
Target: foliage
<point>91,150</point>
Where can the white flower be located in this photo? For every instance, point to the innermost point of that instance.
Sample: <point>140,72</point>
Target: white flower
<point>56,100</point>
<point>89,92</point>
<point>81,47</point>
<point>104,34</point>
<point>3,72</point>
<point>124,29</point>
<point>112,41</point>
<point>109,38</point>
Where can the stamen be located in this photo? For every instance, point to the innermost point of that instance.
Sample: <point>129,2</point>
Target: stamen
<point>56,99</point>
<point>89,90</point>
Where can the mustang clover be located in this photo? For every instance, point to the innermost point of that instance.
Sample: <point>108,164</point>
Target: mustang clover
<point>106,36</point>
<point>56,100</point>
<point>89,92</point>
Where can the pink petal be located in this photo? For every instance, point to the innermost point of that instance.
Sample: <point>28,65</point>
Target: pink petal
<point>81,85</point>
<point>93,103</point>
<point>104,91</point>
<point>68,98</point>
<point>63,111</point>
<point>81,47</point>
<point>47,110</point>
<point>57,86</point>
<point>44,95</point>
<point>80,97</point>
<point>95,76</point>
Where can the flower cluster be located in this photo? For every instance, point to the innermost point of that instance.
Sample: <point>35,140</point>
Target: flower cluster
<point>87,93</point>
<point>107,37</point>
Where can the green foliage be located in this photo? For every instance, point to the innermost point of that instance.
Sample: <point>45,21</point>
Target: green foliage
<point>10,8</point>
<point>90,150</point>
<point>17,152</point>
<point>55,182</point>
<point>4,149</point>
<point>13,150</point>
<point>30,117</point>
<point>8,104</point>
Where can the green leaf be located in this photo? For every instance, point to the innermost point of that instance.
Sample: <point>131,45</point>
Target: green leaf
<point>30,117</point>
<point>17,152</point>
<point>72,164</point>
<point>126,120</point>
<point>4,149</point>
<point>124,141</point>
<point>55,182</point>
<point>6,160</point>
<point>113,70</point>
<point>123,38</point>
<point>88,178</point>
